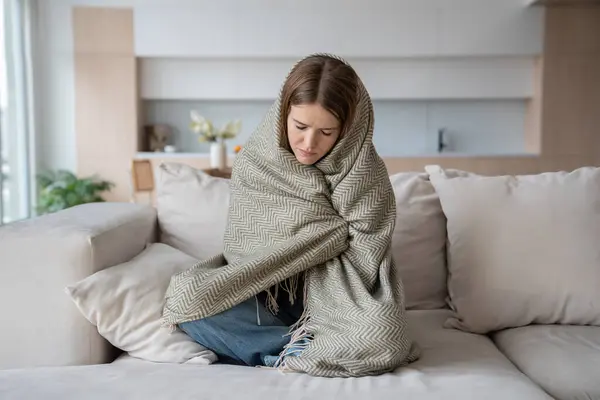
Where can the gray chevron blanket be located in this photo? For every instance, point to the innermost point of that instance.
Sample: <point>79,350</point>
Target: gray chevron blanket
<point>330,224</point>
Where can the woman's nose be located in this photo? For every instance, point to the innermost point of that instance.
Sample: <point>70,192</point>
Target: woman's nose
<point>310,139</point>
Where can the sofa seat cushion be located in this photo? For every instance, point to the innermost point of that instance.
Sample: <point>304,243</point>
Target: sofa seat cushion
<point>564,360</point>
<point>454,365</point>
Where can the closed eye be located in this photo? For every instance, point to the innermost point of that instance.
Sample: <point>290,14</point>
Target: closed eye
<point>300,127</point>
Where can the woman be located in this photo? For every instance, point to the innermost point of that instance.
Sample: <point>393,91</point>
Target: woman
<point>307,247</point>
<point>318,99</point>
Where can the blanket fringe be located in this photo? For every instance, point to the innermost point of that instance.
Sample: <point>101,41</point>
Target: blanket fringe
<point>289,285</point>
<point>272,294</point>
<point>300,336</point>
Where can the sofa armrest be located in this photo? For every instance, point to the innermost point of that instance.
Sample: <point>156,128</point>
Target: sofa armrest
<point>39,257</point>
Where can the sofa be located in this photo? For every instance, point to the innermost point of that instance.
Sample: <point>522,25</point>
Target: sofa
<point>501,277</point>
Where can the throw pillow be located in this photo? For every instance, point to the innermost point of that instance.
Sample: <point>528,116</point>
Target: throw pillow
<point>419,241</point>
<point>125,303</point>
<point>522,249</point>
<point>192,209</point>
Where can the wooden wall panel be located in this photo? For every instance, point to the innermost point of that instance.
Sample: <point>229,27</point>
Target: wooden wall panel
<point>480,165</point>
<point>571,83</point>
<point>563,3</point>
<point>99,30</point>
<point>106,98</point>
<point>572,30</point>
<point>571,115</point>
<point>106,119</point>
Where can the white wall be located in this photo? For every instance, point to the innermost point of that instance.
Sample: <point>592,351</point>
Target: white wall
<point>451,27</point>
<point>365,29</point>
<point>373,28</point>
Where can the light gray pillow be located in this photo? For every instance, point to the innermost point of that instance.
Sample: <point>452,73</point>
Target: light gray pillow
<point>192,209</point>
<point>419,241</point>
<point>125,303</point>
<point>522,249</point>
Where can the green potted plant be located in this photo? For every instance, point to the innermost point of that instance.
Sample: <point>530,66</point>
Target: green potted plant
<point>62,189</point>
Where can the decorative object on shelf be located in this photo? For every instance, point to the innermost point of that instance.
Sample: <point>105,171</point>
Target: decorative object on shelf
<point>216,137</point>
<point>218,155</point>
<point>157,137</point>
<point>63,189</point>
<point>170,149</point>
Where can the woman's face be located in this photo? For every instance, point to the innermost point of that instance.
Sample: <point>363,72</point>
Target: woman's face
<point>312,132</point>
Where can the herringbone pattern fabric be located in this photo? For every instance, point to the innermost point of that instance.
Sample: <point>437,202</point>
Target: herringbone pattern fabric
<point>331,224</point>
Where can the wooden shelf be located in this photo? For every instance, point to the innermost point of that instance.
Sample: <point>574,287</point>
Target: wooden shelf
<point>151,155</point>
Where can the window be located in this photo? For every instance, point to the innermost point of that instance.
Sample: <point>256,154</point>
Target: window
<point>16,111</point>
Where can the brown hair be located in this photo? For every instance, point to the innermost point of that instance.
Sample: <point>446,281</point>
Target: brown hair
<point>322,80</point>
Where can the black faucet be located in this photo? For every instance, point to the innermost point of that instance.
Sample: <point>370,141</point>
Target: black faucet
<point>441,144</point>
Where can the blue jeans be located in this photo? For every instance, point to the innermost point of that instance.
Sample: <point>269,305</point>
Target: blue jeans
<point>248,332</point>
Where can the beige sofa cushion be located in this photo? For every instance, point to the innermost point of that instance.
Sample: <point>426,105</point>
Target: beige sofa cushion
<point>192,214</point>
<point>522,249</point>
<point>419,241</point>
<point>563,360</point>
<point>125,303</point>
<point>192,209</point>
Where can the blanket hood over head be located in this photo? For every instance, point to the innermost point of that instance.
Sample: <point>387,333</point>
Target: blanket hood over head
<point>329,224</point>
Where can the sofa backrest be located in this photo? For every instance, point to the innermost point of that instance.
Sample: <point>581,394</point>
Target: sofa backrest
<point>192,215</point>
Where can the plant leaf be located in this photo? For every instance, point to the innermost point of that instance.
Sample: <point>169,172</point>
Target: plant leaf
<point>63,189</point>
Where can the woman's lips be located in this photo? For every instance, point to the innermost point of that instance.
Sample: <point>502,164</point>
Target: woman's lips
<point>304,153</point>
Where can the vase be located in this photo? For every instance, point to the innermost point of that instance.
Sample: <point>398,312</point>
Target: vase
<point>218,155</point>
